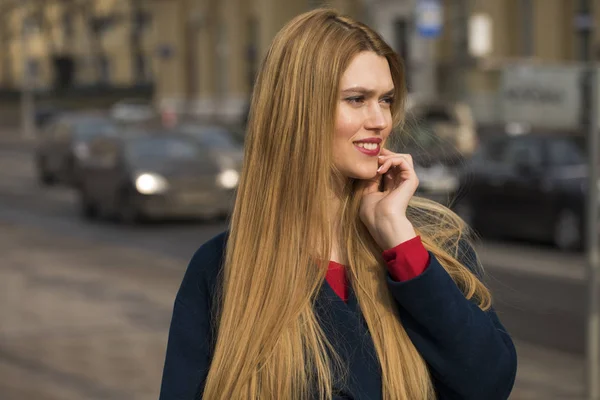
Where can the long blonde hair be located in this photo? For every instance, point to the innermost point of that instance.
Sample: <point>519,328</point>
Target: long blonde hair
<point>270,344</point>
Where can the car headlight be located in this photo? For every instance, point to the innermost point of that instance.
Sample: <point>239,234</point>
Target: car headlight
<point>228,179</point>
<point>150,183</point>
<point>81,151</point>
<point>446,184</point>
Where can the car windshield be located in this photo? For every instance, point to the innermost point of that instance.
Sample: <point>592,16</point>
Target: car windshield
<point>420,136</point>
<point>87,129</point>
<point>214,136</point>
<point>163,148</point>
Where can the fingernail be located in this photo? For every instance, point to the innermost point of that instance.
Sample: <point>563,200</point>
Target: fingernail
<point>379,169</point>
<point>380,157</point>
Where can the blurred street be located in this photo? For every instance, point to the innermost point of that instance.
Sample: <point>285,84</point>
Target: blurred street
<point>86,306</point>
<point>122,131</point>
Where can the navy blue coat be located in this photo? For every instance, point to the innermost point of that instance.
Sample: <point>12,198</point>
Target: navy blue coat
<point>468,351</point>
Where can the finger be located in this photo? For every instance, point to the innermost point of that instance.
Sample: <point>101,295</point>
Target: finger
<point>388,182</point>
<point>406,177</point>
<point>393,161</point>
<point>385,167</point>
<point>407,156</point>
<point>386,152</point>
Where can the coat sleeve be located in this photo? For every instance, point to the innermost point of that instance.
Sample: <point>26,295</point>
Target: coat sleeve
<point>189,347</point>
<point>469,353</point>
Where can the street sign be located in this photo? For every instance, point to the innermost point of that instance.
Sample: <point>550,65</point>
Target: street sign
<point>429,18</point>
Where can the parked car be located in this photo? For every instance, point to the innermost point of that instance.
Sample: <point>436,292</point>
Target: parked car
<point>45,113</point>
<point>133,110</point>
<point>437,161</point>
<point>452,122</point>
<point>219,139</point>
<point>529,186</point>
<point>63,145</point>
<point>153,175</point>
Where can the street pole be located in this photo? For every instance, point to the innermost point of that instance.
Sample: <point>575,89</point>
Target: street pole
<point>527,27</point>
<point>27,101</point>
<point>584,22</point>
<point>460,38</point>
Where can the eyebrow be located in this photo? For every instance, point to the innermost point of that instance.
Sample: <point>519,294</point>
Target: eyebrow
<point>365,91</point>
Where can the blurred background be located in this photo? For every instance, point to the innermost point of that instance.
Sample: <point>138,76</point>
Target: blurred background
<point>121,135</point>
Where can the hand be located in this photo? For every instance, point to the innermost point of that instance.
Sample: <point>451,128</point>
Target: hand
<point>384,212</point>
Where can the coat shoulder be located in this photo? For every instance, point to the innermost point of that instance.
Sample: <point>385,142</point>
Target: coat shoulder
<point>207,262</point>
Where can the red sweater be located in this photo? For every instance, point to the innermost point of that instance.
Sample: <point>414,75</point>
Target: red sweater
<point>405,261</point>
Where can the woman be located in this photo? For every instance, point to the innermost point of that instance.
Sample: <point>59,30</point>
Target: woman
<point>333,280</point>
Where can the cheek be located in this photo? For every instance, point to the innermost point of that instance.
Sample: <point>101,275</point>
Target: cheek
<point>347,124</point>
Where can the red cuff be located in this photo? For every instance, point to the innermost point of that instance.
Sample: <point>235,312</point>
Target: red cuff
<point>407,260</point>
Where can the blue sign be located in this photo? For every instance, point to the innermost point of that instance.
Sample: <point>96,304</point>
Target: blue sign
<point>429,17</point>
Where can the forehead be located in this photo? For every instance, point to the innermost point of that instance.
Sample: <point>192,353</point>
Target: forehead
<point>368,70</point>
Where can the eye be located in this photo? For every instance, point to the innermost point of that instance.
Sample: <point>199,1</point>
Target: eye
<point>356,100</point>
<point>388,100</point>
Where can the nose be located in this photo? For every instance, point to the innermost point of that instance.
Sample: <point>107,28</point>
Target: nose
<point>376,118</point>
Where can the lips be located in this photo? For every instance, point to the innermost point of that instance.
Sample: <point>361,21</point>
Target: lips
<point>370,147</point>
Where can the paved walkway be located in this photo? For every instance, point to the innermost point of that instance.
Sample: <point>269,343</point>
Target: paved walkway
<point>82,320</point>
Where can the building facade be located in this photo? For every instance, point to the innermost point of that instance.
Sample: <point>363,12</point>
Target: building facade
<point>75,43</point>
<point>201,55</point>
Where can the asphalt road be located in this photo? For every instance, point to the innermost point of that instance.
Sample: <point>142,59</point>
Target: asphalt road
<point>540,293</point>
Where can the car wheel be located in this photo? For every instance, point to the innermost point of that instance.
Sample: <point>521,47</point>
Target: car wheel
<point>127,211</point>
<point>44,176</point>
<point>567,235</point>
<point>88,208</point>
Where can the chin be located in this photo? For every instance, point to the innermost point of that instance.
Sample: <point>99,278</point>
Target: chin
<point>363,173</point>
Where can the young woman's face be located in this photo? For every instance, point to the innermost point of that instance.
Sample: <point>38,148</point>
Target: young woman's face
<point>363,117</point>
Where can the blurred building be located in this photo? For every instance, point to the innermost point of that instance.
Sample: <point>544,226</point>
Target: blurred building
<point>201,56</point>
<point>491,40</point>
<point>208,51</point>
<point>76,43</point>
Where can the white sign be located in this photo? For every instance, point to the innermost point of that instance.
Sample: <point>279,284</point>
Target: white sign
<point>480,35</point>
<point>543,96</point>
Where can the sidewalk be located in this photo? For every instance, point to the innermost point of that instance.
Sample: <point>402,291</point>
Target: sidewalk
<point>548,375</point>
<point>11,138</point>
<point>83,320</point>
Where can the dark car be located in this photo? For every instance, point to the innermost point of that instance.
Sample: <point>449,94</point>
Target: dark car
<point>153,175</point>
<point>63,145</point>
<point>437,161</point>
<point>221,140</point>
<point>530,186</point>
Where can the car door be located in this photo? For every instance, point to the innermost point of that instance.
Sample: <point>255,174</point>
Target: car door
<point>99,170</point>
<point>485,183</point>
<point>523,193</point>
<point>567,176</point>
